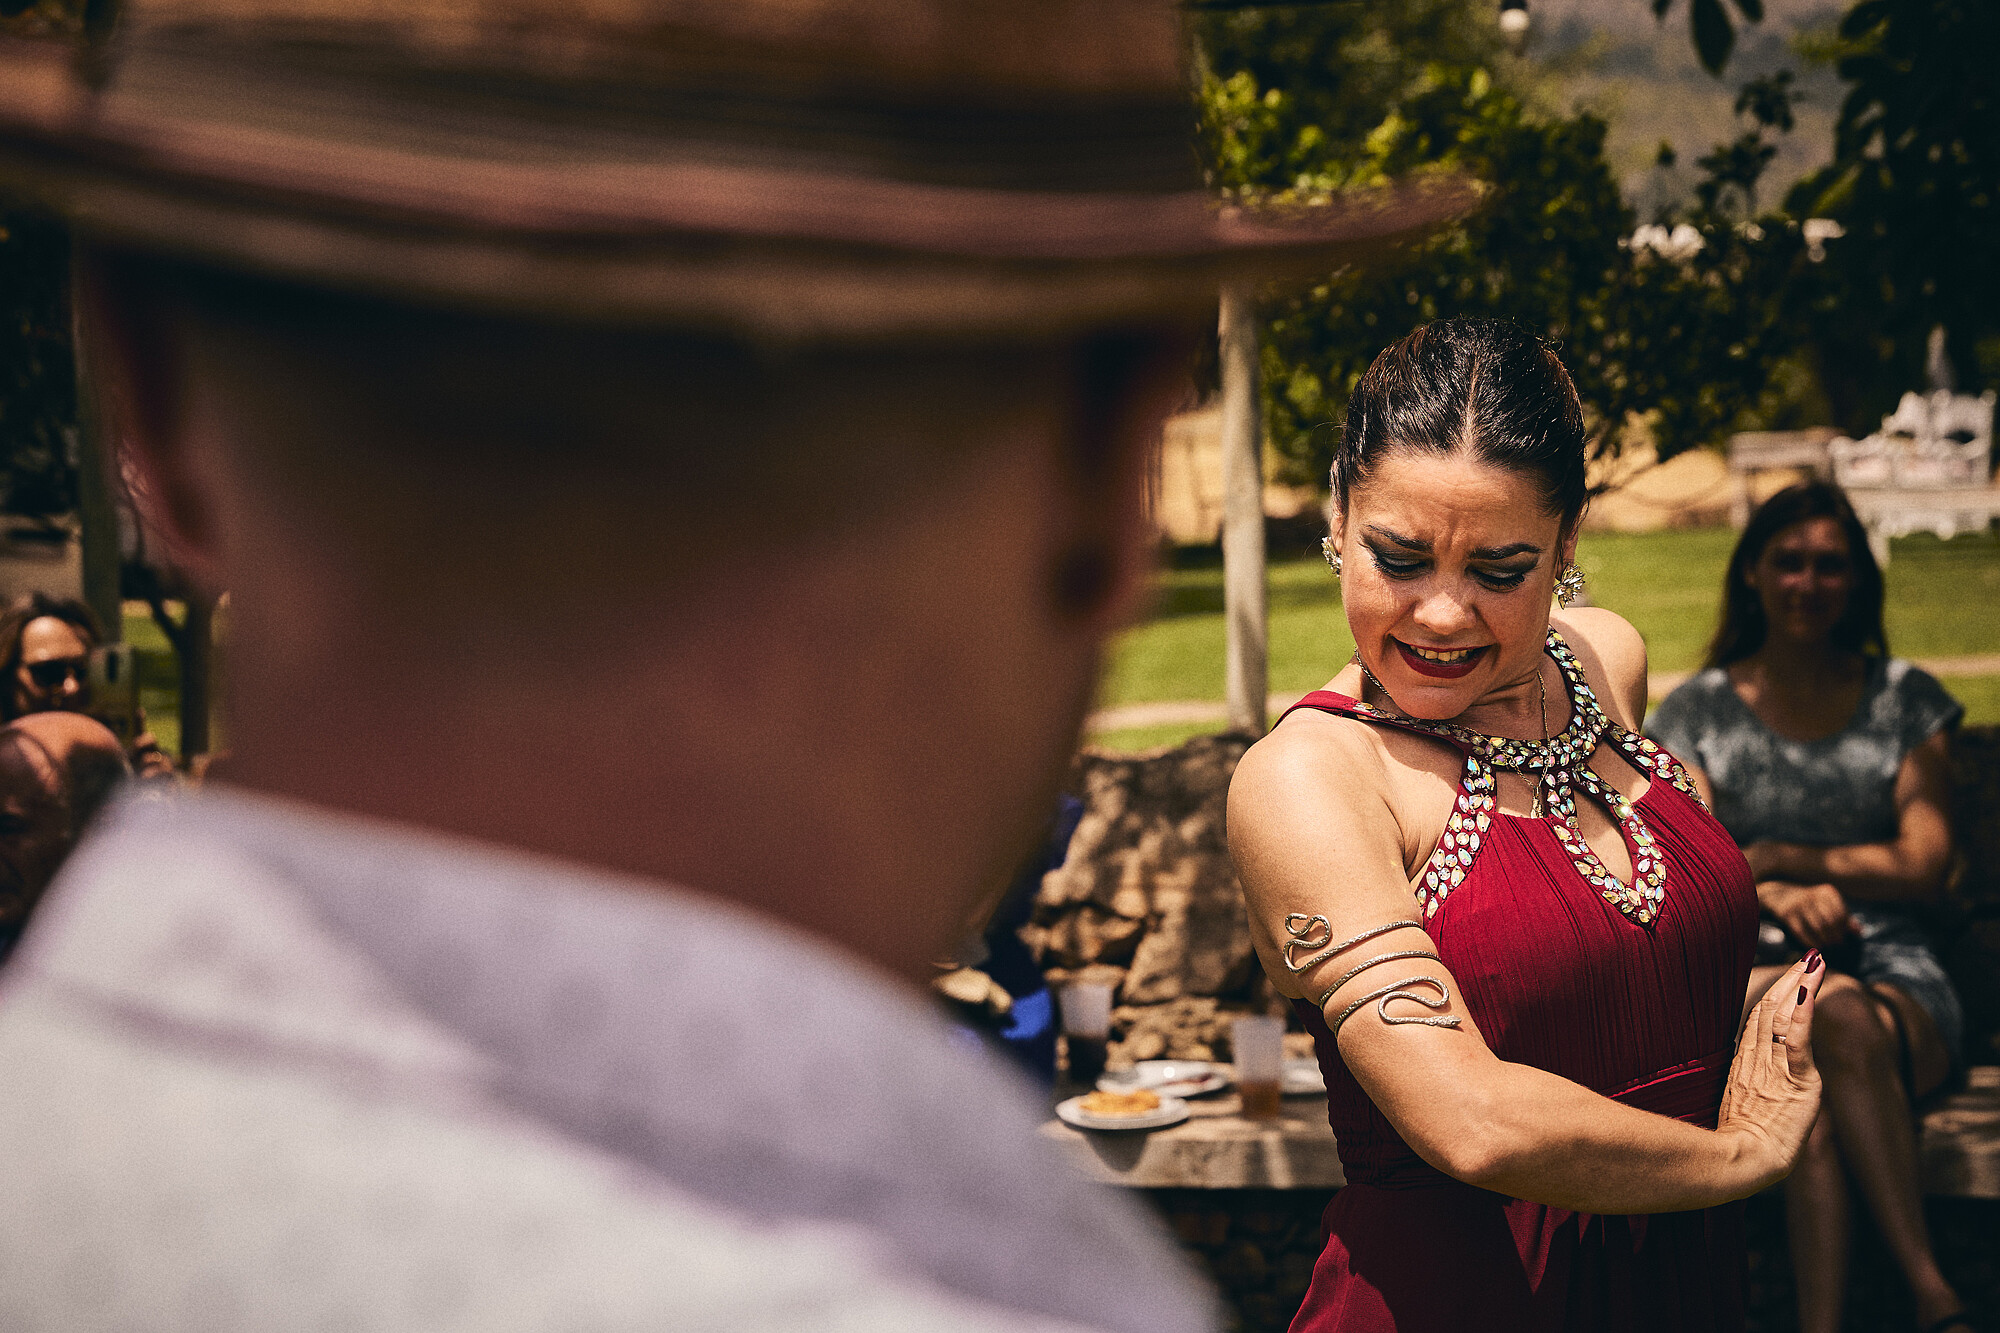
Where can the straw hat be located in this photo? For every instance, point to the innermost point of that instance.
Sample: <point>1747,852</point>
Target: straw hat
<point>782,168</point>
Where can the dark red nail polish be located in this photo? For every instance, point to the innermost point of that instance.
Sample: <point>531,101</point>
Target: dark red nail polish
<point>1802,995</point>
<point>1813,962</point>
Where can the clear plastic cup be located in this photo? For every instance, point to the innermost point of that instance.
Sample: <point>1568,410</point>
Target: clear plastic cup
<point>1086,1023</point>
<point>1259,1046</point>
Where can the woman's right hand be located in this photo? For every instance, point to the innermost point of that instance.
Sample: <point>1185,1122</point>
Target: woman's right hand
<point>1816,914</point>
<point>1772,1096</point>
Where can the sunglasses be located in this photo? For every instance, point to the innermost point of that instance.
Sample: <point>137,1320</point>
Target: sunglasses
<point>56,670</point>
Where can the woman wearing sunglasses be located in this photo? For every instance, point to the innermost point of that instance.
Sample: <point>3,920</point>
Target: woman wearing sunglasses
<point>47,641</point>
<point>45,646</point>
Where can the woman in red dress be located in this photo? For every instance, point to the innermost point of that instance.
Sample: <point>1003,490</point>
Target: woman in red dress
<point>1516,935</point>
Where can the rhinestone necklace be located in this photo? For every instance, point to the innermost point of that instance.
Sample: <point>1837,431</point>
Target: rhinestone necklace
<point>1562,765</point>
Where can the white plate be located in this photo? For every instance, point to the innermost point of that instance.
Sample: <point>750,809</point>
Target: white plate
<point>1301,1078</point>
<point>1171,1111</point>
<point>1169,1078</point>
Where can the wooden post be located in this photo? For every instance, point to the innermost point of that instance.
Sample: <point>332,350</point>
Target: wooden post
<point>1248,670</point>
<point>197,652</point>
<point>97,513</point>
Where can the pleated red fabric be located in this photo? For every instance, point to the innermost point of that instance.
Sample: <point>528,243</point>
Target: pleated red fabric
<point>1558,978</point>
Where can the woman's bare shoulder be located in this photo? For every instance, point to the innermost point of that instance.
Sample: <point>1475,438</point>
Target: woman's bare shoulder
<point>1310,745</point>
<point>1310,764</point>
<point>1312,824</point>
<point>1613,655</point>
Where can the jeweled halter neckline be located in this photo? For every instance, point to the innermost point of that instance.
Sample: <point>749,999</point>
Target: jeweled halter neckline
<point>1563,763</point>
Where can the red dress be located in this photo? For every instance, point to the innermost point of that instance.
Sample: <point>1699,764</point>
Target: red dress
<point>1558,977</point>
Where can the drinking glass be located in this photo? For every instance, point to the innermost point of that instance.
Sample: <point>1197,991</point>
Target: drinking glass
<point>1259,1045</point>
<point>1086,1021</point>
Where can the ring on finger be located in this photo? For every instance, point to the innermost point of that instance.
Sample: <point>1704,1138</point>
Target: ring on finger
<point>1778,1038</point>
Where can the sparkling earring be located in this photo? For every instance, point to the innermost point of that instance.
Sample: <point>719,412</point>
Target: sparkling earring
<point>1332,556</point>
<point>1569,585</point>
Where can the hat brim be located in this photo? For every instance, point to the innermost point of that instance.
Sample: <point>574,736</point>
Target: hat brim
<point>582,230</point>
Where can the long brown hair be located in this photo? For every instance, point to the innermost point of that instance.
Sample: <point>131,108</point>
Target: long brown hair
<point>1859,629</point>
<point>15,619</point>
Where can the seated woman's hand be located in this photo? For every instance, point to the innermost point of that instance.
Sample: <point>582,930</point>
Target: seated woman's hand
<point>1772,1097</point>
<point>1816,914</point>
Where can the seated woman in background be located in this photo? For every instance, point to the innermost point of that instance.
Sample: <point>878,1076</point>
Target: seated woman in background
<point>1825,758</point>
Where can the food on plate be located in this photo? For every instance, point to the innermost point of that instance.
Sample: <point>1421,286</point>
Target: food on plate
<point>1114,1105</point>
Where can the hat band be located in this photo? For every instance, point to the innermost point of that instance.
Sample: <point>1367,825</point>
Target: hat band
<point>1056,142</point>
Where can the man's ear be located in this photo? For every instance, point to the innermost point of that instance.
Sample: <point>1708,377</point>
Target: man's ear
<point>132,362</point>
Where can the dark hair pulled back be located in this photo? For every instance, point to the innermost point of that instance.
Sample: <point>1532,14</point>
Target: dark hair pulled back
<point>1490,386</point>
<point>1859,629</point>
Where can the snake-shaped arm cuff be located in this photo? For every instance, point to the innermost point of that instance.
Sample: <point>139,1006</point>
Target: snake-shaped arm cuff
<point>1315,932</point>
<point>1396,991</point>
<point>1359,968</point>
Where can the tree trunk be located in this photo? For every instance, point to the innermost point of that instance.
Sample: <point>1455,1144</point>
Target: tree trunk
<point>1243,608</point>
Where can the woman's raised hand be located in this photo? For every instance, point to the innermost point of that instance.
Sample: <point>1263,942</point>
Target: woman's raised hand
<point>1772,1097</point>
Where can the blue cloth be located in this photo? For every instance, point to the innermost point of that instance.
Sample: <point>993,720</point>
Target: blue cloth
<point>1028,1033</point>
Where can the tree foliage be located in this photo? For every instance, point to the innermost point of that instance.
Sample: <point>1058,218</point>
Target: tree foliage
<point>37,372</point>
<point>1686,342</point>
<point>1713,31</point>
<point>1915,181</point>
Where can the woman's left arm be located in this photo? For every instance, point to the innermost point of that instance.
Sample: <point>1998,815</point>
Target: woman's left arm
<point>1910,868</point>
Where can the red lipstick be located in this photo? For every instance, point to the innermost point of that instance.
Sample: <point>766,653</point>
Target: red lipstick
<point>1424,666</point>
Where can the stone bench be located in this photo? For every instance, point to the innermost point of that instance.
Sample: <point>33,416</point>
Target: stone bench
<point>1959,1147</point>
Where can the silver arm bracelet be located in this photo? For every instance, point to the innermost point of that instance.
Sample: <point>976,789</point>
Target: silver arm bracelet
<point>1314,932</point>
<point>1357,970</point>
<point>1396,992</point>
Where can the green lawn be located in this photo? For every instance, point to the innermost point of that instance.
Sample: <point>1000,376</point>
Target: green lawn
<point>1943,600</point>
<point>159,674</point>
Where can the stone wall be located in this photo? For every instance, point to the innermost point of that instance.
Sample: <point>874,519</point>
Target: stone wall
<point>1258,1246</point>
<point>1147,899</point>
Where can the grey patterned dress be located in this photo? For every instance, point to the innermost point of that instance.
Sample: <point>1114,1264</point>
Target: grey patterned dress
<point>1836,790</point>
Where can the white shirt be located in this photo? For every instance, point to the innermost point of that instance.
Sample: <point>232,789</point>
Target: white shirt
<point>266,1067</point>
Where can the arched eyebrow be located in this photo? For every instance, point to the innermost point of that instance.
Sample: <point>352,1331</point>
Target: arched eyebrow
<point>1413,543</point>
<point>1502,552</point>
<point>1478,553</point>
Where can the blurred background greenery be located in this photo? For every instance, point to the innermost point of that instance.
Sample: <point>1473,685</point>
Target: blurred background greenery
<point>1943,602</point>
<point>1736,120</point>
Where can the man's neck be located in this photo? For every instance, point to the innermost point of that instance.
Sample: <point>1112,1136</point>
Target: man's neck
<point>855,742</point>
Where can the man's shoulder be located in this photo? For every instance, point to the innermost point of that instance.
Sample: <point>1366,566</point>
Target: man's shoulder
<point>475,1048</point>
<point>215,1184</point>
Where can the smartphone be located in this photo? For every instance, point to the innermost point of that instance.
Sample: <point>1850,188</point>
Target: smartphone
<point>114,690</point>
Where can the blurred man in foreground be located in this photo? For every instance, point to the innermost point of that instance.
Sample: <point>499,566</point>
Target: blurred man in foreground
<point>674,466</point>
<point>56,771</point>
